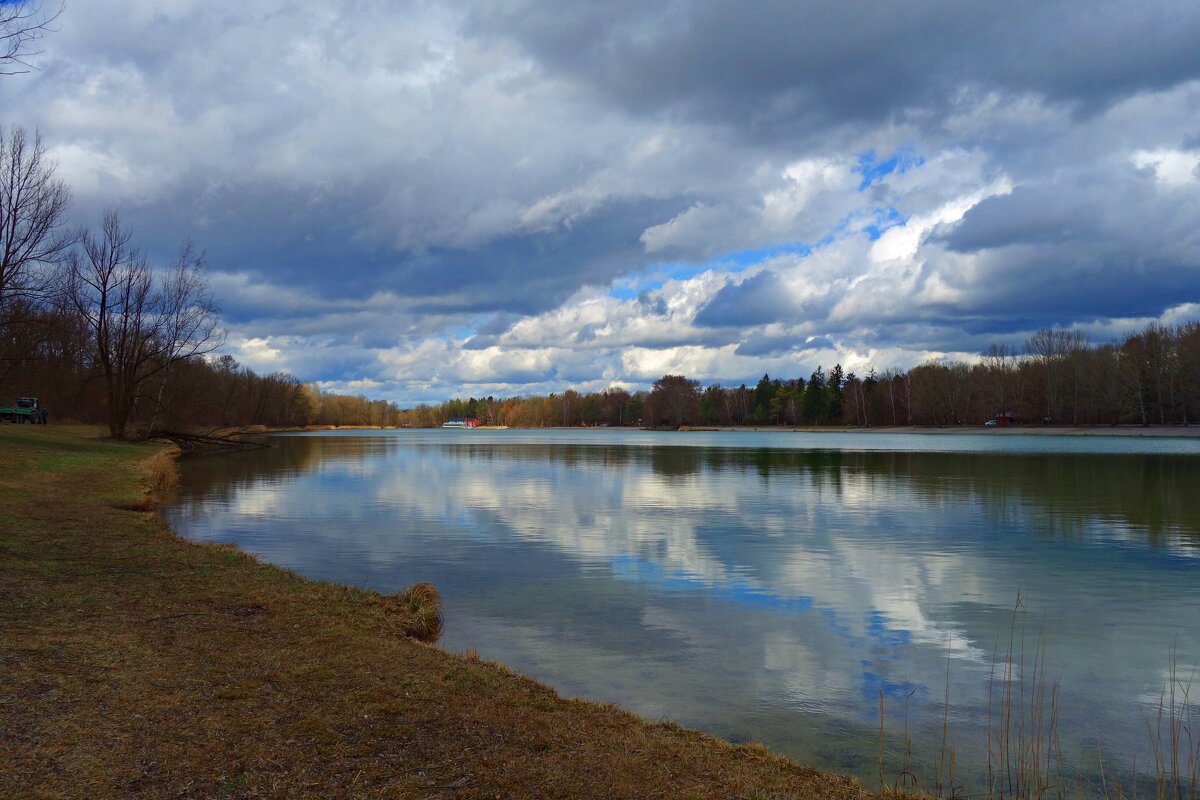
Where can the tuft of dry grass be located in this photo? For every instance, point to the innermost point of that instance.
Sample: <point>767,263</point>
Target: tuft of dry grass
<point>136,664</point>
<point>162,473</point>
<point>422,605</point>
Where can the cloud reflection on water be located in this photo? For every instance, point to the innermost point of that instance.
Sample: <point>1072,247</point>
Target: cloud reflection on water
<point>737,588</point>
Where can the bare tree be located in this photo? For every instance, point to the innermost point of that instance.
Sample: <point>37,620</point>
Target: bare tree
<point>22,24</point>
<point>33,206</point>
<point>141,324</point>
<point>1000,369</point>
<point>1049,349</point>
<point>891,382</point>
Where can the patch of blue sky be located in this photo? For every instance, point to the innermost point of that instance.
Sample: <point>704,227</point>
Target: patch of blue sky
<point>456,333</point>
<point>884,218</point>
<point>733,262</point>
<point>630,286</point>
<point>741,260</point>
<point>872,170</point>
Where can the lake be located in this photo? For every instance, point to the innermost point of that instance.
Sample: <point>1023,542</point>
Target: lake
<point>768,586</point>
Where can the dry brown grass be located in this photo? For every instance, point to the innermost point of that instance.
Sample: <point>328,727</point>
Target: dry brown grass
<point>162,472</point>
<point>424,605</point>
<point>135,664</point>
<point>418,610</point>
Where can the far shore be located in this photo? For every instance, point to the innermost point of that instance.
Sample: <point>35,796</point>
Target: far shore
<point>1011,430</point>
<point>1157,431</point>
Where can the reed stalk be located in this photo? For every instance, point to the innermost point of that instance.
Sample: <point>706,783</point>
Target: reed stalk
<point>1024,754</point>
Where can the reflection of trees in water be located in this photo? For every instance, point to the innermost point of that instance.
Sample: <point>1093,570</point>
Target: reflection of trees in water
<point>1154,494</point>
<point>221,476</point>
<point>1147,492</point>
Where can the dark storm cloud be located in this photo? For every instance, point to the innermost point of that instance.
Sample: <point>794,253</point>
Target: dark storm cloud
<point>1027,216</point>
<point>760,345</point>
<point>777,66</point>
<point>489,332</point>
<point>948,336</point>
<point>759,299</point>
<point>298,235</point>
<point>533,272</point>
<point>313,239</point>
<point>1115,245</point>
<point>1049,285</point>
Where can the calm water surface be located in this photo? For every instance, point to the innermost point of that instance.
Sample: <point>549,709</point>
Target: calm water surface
<point>766,586</point>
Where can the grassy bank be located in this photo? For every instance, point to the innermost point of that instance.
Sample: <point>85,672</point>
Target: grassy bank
<point>135,664</point>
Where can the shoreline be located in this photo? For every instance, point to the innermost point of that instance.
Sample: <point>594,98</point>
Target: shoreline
<point>141,663</point>
<point>1133,431</point>
<point>1154,431</point>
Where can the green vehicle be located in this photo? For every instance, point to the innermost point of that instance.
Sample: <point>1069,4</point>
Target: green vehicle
<point>26,409</point>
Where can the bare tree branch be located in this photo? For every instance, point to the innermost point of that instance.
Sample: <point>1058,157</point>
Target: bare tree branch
<point>33,206</point>
<point>22,24</point>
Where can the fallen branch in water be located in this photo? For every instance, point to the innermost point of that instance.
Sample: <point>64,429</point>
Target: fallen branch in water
<point>200,443</point>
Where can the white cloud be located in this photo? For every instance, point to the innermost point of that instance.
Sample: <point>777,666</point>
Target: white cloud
<point>1171,167</point>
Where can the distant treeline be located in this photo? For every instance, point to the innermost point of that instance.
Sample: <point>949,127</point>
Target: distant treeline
<point>1151,377</point>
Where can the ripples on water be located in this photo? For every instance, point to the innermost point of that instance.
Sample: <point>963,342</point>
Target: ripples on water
<point>750,585</point>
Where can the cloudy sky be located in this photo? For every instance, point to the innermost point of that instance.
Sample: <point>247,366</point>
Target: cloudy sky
<point>414,200</point>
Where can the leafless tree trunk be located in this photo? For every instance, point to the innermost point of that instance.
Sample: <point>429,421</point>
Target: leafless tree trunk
<point>888,381</point>
<point>908,394</point>
<point>1000,364</point>
<point>963,391</point>
<point>140,326</point>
